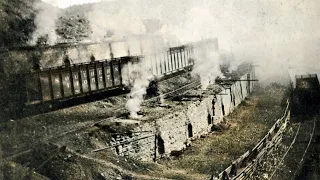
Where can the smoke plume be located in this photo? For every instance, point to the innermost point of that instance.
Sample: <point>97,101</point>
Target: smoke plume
<point>45,22</point>
<point>113,21</point>
<point>276,34</point>
<point>279,36</point>
<point>207,64</point>
<point>138,76</point>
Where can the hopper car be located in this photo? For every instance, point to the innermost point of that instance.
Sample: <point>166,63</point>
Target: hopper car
<point>70,81</point>
<point>306,94</point>
<point>66,81</point>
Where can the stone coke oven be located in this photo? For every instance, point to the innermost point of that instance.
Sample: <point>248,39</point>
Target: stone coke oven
<point>168,130</point>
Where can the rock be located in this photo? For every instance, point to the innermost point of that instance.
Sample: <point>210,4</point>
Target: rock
<point>203,136</point>
<point>265,176</point>
<point>176,153</point>
<point>220,127</point>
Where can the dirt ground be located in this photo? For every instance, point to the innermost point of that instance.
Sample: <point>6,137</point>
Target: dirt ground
<point>23,134</point>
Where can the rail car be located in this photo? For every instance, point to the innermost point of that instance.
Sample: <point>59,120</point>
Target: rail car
<point>70,81</point>
<point>306,95</point>
<point>42,79</point>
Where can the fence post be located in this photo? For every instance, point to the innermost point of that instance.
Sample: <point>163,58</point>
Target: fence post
<point>233,171</point>
<point>155,148</point>
<point>1,164</point>
<point>225,176</point>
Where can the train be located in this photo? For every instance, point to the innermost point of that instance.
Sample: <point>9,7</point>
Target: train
<point>306,95</point>
<point>75,80</point>
<point>49,81</point>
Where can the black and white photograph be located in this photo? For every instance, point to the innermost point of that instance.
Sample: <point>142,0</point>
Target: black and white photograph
<point>159,90</point>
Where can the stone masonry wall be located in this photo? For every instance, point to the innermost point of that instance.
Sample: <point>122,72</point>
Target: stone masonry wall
<point>171,133</point>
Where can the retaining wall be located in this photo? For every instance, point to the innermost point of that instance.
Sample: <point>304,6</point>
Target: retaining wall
<point>172,130</point>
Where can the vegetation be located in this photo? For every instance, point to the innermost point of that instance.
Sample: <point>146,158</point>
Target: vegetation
<point>73,27</point>
<point>17,22</point>
<point>249,123</point>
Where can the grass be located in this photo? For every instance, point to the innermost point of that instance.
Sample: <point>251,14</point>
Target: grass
<point>249,123</point>
<point>211,155</point>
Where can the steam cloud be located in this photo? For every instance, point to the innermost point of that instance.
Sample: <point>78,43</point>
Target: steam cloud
<point>45,22</point>
<point>139,75</point>
<point>274,33</point>
<point>109,23</point>
<point>207,64</point>
<point>278,35</point>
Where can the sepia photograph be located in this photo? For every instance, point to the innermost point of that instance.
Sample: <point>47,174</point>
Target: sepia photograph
<point>159,90</point>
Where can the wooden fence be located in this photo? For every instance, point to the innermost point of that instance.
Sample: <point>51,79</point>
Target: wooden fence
<point>245,165</point>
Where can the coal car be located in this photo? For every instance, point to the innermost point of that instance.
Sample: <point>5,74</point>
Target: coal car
<point>306,94</point>
<point>60,74</point>
<point>69,81</point>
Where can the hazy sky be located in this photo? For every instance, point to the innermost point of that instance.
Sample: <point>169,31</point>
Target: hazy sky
<point>279,34</point>
<point>67,3</point>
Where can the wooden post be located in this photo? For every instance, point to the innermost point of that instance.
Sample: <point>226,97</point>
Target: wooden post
<point>155,148</point>
<point>233,171</point>
<point>1,164</point>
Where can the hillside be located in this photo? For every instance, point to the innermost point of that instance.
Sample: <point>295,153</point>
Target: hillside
<point>16,19</point>
<point>72,24</point>
<point>17,22</point>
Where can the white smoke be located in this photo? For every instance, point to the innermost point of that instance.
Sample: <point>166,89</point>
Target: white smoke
<point>275,34</point>
<point>66,3</point>
<point>200,25</point>
<point>138,75</point>
<point>109,22</point>
<point>45,22</point>
<point>207,64</point>
<point>271,32</point>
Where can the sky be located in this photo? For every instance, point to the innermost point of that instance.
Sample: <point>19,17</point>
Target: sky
<point>67,3</point>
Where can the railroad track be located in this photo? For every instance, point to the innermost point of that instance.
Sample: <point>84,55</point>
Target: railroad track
<point>288,162</point>
<point>291,162</point>
<point>285,161</point>
<point>245,166</point>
